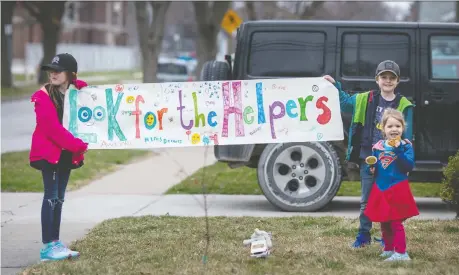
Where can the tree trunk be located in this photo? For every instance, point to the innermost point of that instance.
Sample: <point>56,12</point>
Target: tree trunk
<point>7,43</point>
<point>49,14</point>
<point>150,36</point>
<point>270,10</point>
<point>49,42</point>
<point>457,17</point>
<point>250,9</point>
<point>142,28</point>
<point>310,11</point>
<point>208,20</point>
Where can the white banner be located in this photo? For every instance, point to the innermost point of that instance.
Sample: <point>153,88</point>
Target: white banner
<point>153,115</point>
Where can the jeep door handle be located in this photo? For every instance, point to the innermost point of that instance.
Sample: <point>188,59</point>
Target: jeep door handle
<point>437,98</point>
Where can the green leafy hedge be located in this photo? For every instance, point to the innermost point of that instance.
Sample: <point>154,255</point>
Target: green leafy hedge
<point>450,190</point>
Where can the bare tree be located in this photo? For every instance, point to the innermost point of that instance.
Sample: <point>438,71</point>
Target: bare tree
<point>457,17</point>
<point>250,9</point>
<point>178,14</point>
<point>310,9</point>
<point>7,19</point>
<point>49,15</point>
<point>353,10</point>
<point>151,33</point>
<point>413,13</point>
<point>300,9</point>
<point>270,10</point>
<point>208,17</point>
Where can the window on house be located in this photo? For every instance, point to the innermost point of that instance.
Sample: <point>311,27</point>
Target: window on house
<point>117,13</point>
<point>361,53</point>
<point>444,57</point>
<point>71,12</point>
<point>287,54</point>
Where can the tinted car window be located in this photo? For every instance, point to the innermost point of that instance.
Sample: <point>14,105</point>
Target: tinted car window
<point>295,54</point>
<point>170,68</point>
<point>444,57</point>
<point>361,53</point>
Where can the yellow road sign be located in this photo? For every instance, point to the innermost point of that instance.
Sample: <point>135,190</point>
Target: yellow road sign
<point>231,21</point>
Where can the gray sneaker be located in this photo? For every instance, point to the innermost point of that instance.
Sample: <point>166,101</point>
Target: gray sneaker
<point>398,257</point>
<point>386,254</point>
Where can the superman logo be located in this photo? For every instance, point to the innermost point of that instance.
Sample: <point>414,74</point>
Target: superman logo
<point>386,160</point>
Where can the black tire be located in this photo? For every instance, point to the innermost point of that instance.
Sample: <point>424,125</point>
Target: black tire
<point>321,175</point>
<point>215,70</point>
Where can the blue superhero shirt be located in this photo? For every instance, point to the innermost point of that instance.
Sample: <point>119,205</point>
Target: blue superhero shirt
<point>394,163</point>
<point>391,198</point>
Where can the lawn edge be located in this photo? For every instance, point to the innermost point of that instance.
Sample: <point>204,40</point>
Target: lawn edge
<point>114,168</point>
<point>82,183</point>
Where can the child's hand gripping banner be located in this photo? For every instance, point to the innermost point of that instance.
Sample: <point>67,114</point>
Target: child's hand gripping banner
<point>154,115</point>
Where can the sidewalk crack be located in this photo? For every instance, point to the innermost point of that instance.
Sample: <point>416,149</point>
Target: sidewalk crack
<point>147,205</point>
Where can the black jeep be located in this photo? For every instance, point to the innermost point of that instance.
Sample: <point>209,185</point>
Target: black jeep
<point>428,56</point>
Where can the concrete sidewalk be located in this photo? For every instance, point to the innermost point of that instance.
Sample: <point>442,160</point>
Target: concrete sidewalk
<point>152,176</point>
<point>136,190</point>
<point>95,208</point>
<point>122,193</point>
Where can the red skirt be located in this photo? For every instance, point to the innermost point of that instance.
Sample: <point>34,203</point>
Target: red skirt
<point>395,203</point>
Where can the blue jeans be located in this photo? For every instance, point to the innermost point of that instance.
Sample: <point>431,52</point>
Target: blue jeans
<point>55,183</point>
<point>366,182</point>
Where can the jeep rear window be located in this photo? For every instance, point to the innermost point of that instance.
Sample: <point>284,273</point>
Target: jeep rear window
<point>287,54</point>
<point>361,53</point>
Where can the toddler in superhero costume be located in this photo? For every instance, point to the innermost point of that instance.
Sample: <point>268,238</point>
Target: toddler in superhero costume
<point>391,201</point>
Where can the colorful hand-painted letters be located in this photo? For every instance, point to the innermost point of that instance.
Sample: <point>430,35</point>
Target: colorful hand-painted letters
<point>204,113</point>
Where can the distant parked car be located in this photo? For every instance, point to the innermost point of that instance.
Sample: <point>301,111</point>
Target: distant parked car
<point>173,70</point>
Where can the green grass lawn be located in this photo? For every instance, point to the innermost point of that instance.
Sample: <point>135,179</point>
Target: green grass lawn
<point>18,92</point>
<point>301,245</point>
<point>15,93</point>
<point>220,179</point>
<point>18,176</point>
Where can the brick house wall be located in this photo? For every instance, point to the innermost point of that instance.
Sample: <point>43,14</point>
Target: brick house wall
<point>101,23</point>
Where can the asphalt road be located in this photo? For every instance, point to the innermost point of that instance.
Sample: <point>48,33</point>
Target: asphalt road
<point>18,122</point>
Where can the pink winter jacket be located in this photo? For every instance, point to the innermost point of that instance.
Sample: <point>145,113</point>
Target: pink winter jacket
<point>50,137</point>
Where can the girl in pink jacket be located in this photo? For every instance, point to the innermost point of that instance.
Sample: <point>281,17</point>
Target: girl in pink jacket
<point>55,151</point>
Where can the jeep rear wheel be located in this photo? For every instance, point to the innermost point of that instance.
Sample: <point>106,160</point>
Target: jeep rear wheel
<point>299,176</point>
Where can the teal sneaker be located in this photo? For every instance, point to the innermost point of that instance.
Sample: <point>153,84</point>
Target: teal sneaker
<point>73,254</point>
<point>386,254</point>
<point>398,257</point>
<point>51,252</point>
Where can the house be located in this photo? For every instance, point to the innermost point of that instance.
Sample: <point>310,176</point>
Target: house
<point>98,23</point>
